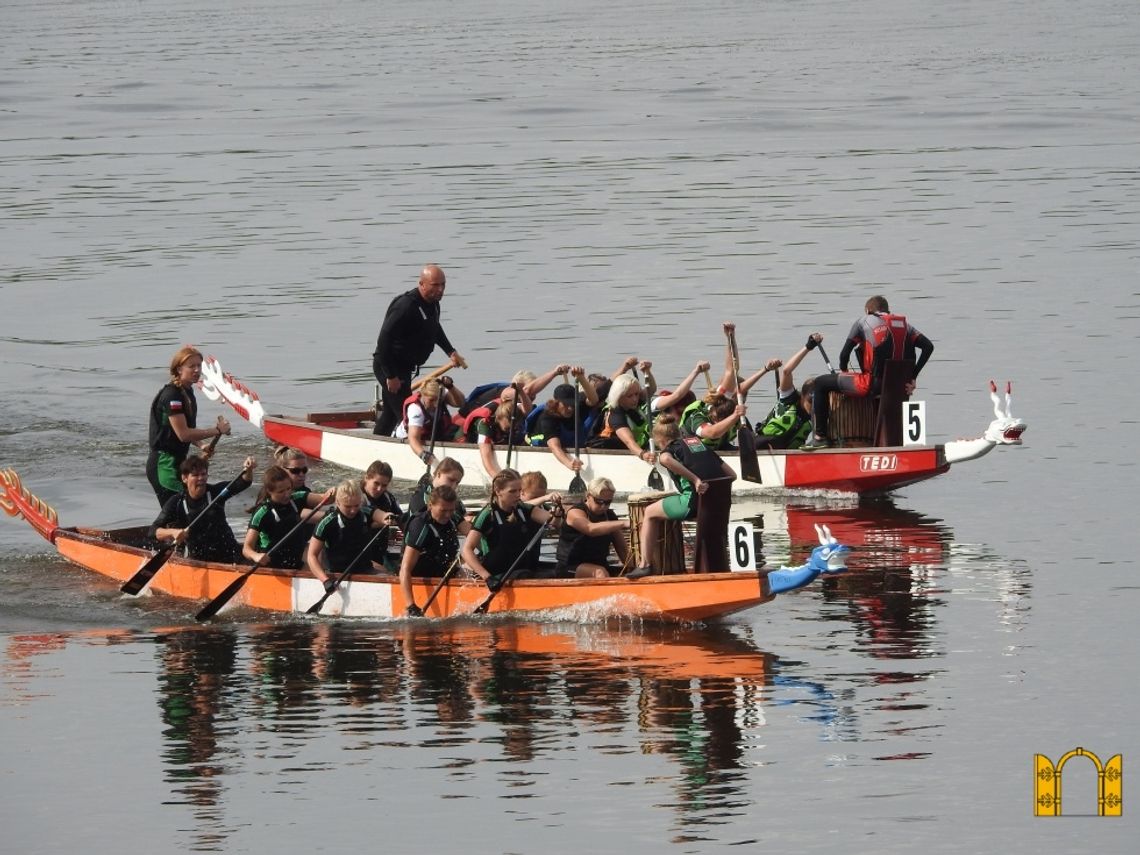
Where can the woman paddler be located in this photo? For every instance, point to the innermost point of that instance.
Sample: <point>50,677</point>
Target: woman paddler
<point>212,539</point>
<point>173,420</point>
<point>502,531</point>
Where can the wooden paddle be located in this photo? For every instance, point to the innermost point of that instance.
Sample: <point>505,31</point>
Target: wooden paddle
<point>511,436</point>
<point>481,609</point>
<point>215,605</point>
<point>425,479</point>
<point>316,607</point>
<point>153,564</point>
<point>433,375</point>
<point>749,465</point>
<point>446,575</point>
<point>708,380</point>
<point>577,485</point>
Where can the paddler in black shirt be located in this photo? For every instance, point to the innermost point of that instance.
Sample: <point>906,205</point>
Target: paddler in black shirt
<point>409,334</point>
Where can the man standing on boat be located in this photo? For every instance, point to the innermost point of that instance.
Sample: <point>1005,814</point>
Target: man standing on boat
<point>409,334</point>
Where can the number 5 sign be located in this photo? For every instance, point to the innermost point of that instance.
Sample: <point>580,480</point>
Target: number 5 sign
<point>914,423</point>
<point>741,546</point>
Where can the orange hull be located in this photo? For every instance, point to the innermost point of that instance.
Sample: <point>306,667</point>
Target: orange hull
<point>676,598</point>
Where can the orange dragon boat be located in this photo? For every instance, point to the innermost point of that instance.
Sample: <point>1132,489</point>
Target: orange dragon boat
<point>120,554</point>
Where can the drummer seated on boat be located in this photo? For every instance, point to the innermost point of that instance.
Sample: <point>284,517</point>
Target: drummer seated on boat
<point>431,543</point>
<point>273,524</point>
<point>502,530</point>
<point>588,532</point>
<point>691,464</point>
<point>554,427</point>
<point>212,539</point>
<point>421,409</point>
<point>343,539</point>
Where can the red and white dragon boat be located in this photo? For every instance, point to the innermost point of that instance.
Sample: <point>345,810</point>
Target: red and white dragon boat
<point>346,439</point>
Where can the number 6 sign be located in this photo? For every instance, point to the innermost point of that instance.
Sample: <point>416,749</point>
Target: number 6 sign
<point>741,547</point>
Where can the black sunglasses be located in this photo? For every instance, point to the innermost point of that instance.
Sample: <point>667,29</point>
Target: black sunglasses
<point>605,502</point>
<point>297,470</point>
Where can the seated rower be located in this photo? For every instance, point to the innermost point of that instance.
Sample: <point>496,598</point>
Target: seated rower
<point>274,518</point>
<point>588,532</point>
<point>692,465</point>
<point>212,539</point>
<point>431,544</point>
<point>555,425</point>
<point>488,429</point>
<point>421,409</point>
<point>501,532</point>
<point>788,424</point>
<point>379,501</point>
<point>527,382</point>
<point>676,400</point>
<point>624,423</point>
<point>342,539</point>
<point>536,492</point>
<point>448,474</point>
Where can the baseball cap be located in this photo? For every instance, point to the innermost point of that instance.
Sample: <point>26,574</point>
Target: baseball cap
<point>565,393</point>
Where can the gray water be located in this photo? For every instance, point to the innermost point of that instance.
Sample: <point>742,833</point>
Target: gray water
<point>598,181</point>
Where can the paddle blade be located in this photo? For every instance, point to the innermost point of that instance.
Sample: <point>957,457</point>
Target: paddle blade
<point>315,608</point>
<point>749,465</point>
<point>145,573</point>
<point>215,605</point>
<point>655,482</point>
<point>577,485</point>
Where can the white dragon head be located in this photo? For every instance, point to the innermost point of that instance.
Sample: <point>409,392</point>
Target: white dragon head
<point>1005,429</point>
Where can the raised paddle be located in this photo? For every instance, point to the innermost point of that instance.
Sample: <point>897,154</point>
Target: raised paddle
<point>425,479</point>
<point>511,434</point>
<point>433,375</point>
<point>826,361</point>
<point>481,609</point>
<point>451,568</point>
<point>749,465</point>
<point>153,564</point>
<point>577,485</point>
<point>214,606</point>
<point>316,607</point>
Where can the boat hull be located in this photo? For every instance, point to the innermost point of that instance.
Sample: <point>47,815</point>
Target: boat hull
<point>684,597</point>
<point>346,439</point>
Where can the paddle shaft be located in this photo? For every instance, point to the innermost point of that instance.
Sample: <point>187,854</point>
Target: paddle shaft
<point>826,361</point>
<point>577,485</point>
<point>446,575</point>
<point>215,605</point>
<point>425,479</point>
<point>749,465</point>
<point>145,573</point>
<point>316,607</point>
<point>434,375</point>
<point>511,435</point>
<point>483,606</point>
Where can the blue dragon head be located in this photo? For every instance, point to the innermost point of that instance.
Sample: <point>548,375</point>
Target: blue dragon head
<point>831,555</point>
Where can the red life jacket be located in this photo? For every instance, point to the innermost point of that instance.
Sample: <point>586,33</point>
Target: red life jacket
<point>884,340</point>
<point>429,416</point>
<point>487,411</point>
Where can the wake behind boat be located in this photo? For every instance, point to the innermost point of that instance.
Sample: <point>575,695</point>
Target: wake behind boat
<point>120,553</point>
<point>346,439</point>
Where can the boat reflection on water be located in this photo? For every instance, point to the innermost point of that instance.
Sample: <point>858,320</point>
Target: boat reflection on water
<point>902,565</point>
<point>534,690</point>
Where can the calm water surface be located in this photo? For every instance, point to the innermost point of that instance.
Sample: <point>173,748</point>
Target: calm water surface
<point>260,179</point>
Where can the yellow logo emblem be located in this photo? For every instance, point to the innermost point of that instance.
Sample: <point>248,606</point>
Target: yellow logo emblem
<point>1047,784</point>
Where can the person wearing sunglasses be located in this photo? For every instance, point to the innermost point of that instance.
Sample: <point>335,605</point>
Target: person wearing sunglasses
<point>590,529</point>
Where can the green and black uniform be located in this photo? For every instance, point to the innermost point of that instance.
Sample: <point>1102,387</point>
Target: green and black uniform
<point>505,537</point>
<point>272,522</point>
<point>702,461</point>
<point>345,539</point>
<point>167,451</point>
<point>419,502</point>
<point>787,425</point>
<point>697,414</point>
<point>576,548</point>
<point>212,539</point>
<point>437,544</point>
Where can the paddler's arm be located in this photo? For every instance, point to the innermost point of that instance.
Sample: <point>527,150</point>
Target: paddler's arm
<point>770,365</point>
<point>314,555</point>
<point>408,563</point>
<point>536,385</point>
<point>471,557</point>
<point>650,381</point>
<point>185,433</point>
<point>626,436</point>
<point>587,385</point>
<point>571,463</point>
